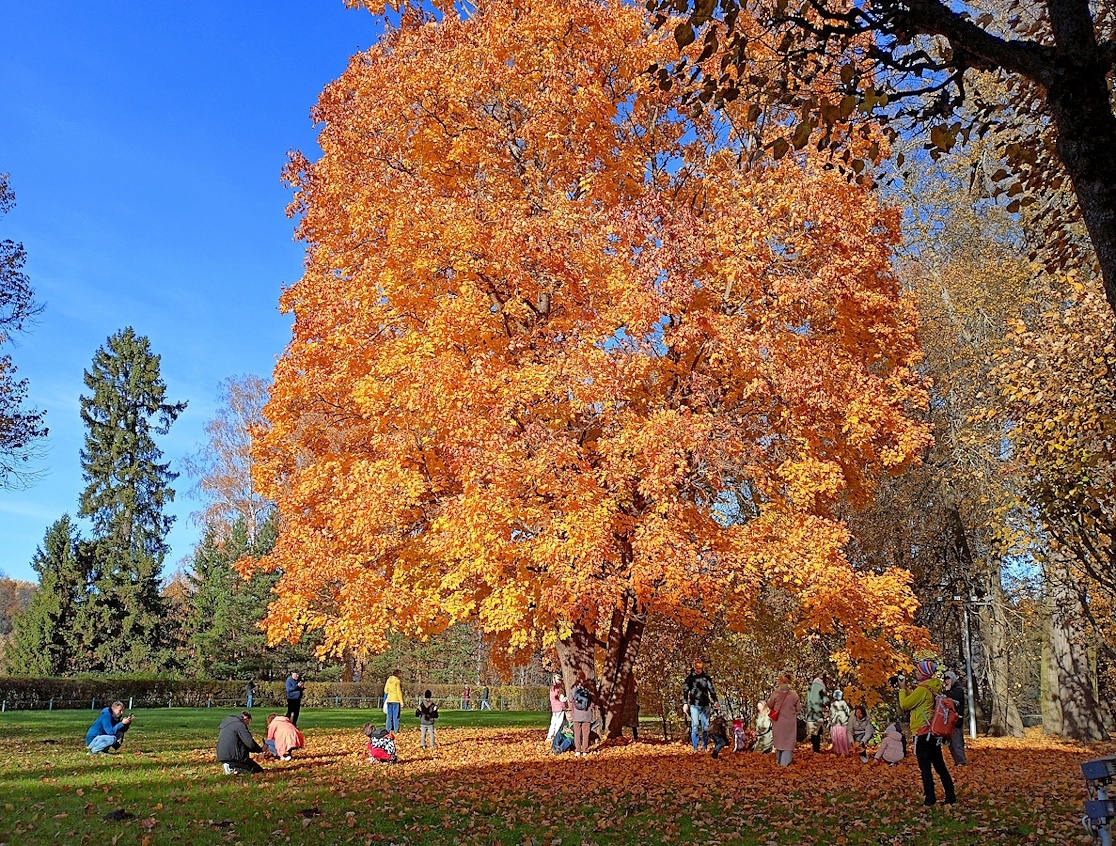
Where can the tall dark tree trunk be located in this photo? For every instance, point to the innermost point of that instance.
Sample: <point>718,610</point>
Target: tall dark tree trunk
<point>578,653</point>
<point>1080,103</point>
<point>1069,696</point>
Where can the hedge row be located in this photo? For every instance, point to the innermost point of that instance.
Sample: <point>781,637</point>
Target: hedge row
<point>25,693</point>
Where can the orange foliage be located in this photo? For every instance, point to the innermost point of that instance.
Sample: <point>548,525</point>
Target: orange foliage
<point>555,351</point>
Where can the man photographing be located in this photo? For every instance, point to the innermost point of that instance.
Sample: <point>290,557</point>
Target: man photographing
<point>108,731</point>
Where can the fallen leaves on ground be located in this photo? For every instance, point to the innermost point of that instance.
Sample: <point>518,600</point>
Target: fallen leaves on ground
<point>504,786</point>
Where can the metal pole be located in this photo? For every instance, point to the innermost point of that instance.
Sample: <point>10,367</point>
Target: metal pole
<point>1106,830</point>
<point>969,670</point>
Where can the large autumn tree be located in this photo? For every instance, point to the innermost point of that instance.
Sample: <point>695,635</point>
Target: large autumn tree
<point>561,359</point>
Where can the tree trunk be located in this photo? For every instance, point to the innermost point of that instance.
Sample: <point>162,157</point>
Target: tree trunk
<point>1006,721</point>
<point>578,653</point>
<point>1050,700</point>
<point>1067,664</point>
<point>1079,100</point>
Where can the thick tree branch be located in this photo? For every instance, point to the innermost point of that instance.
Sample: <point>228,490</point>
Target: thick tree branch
<point>982,49</point>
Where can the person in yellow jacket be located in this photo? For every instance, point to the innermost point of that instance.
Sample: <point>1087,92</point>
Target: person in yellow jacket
<point>919,700</point>
<point>393,701</point>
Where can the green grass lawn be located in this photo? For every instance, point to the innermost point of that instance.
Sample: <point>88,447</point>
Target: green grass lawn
<point>491,781</point>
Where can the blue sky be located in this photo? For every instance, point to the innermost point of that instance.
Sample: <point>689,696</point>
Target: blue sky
<point>145,143</point>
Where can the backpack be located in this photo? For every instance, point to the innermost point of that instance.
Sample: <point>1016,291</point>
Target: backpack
<point>581,699</point>
<point>945,716</point>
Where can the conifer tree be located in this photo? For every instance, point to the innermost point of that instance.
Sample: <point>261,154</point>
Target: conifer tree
<point>46,635</point>
<point>127,488</point>
<point>227,608</point>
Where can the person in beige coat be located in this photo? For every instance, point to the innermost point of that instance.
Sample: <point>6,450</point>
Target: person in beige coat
<point>785,706</point>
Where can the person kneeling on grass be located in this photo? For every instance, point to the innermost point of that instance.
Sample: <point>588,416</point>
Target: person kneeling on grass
<point>235,743</point>
<point>283,736</point>
<point>381,745</point>
<point>108,731</point>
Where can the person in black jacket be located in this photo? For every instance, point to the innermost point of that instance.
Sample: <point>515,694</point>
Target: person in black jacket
<point>235,743</point>
<point>698,696</point>
<point>957,741</point>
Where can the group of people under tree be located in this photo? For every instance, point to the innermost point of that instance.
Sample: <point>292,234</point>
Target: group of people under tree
<point>575,719</point>
<point>783,720</point>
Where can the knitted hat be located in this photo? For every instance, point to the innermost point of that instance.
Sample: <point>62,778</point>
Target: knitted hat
<point>949,674</point>
<point>926,669</point>
<point>837,694</point>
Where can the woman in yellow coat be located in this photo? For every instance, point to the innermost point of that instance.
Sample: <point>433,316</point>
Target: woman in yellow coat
<point>393,701</point>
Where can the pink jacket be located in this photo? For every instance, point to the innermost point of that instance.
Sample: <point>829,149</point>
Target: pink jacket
<point>286,736</point>
<point>891,747</point>
<point>557,700</point>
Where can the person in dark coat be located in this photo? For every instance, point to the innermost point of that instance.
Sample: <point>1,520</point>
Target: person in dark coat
<point>698,697</point>
<point>957,742</point>
<point>235,743</point>
<point>294,687</point>
<point>718,731</point>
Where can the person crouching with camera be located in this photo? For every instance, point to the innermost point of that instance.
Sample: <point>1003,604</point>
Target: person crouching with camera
<point>919,700</point>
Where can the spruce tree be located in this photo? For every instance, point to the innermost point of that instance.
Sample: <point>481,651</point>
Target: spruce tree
<point>127,488</point>
<point>227,607</point>
<point>47,639</point>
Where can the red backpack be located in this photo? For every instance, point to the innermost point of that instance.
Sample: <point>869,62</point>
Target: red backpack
<point>945,716</point>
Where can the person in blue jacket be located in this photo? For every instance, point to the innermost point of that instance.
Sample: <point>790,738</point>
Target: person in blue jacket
<point>294,687</point>
<point>108,731</point>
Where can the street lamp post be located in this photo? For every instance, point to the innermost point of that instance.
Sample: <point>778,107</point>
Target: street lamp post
<point>969,671</point>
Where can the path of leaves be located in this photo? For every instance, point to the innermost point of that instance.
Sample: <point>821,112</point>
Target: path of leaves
<point>493,785</point>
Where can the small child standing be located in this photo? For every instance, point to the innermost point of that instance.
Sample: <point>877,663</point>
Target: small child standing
<point>427,713</point>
